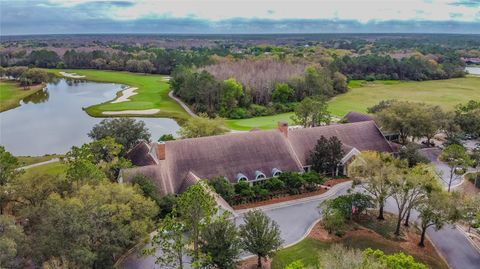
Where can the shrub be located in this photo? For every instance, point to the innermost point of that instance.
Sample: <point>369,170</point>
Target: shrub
<point>244,190</point>
<point>257,110</point>
<point>312,180</point>
<point>349,205</point>
<point>274,184</point>
<point>260,191</point>
<point>334,222</point>
<point>293,181</point>
<point>224,188</point>
<point>370,77</point>
<point>165,203</point>
<point>239,113</point>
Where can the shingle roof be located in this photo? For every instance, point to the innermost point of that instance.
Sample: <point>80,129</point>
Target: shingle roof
<point>248,152</point>
<point>352,117</point>
<point>156,172</point>
<point>361,135</point>
<point>140,155</point>
<point>230,154</point>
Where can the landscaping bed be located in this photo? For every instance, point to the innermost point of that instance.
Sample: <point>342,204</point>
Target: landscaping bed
<point>284,197</point>
<point>360,237</point>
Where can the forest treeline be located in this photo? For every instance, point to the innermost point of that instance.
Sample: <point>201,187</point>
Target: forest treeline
<point>261,88</point>
<point>237,79</point>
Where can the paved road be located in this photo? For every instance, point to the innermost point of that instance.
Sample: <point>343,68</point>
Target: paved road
<point>441,168</point>
<point>296,217</point>
<point>450,242</point>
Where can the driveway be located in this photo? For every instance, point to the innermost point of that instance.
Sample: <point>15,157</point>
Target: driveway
<point>441,168</point>
<point>295,218</point>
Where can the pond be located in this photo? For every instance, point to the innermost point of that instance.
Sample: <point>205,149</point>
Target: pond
<point>52,120</point>
<point>474,70</point>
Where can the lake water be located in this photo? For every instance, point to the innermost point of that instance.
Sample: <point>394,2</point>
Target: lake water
<point>473,70</point>
<point>51,121</point>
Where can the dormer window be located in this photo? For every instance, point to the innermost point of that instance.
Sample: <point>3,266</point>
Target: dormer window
<point>241,177</point>
<point>259,175</point>
<point>276,172</point>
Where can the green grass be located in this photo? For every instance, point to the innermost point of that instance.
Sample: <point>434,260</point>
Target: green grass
<point>53,169</point>
<point>266,122</point>
<point>28,160</point>
<point>152,93</point>
<point>11,93</point>
<point>306,250</point>
<point>445,93</point>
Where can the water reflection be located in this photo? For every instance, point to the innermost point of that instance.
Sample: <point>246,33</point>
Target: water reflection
<point>52,120</point>
<point>37,98</point>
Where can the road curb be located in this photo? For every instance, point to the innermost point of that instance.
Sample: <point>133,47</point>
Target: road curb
<point>465,233</point>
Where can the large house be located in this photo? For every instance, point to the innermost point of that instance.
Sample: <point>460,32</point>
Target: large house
<point>249,156</point>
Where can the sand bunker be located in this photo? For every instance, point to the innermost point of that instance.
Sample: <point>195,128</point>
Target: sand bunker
<point>71,75</point>
<point>125,94</point>
<point>132,112</point>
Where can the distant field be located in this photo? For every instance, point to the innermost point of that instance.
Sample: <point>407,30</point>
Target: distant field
<point>152,93</point>
<point>11,93</point>
<point>267,122</point>
<point>52,169</point>
<point>445,93</point>
<point>28,160</point>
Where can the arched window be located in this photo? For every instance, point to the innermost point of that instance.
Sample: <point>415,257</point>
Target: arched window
<point>276,172</point>
<point>241,177</point>
<point>259,175</point>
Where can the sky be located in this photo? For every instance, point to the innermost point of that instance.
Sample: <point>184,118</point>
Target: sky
<point>20,17</point>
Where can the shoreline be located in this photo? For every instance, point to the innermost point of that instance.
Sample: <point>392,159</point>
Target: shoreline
<point>16,101</point>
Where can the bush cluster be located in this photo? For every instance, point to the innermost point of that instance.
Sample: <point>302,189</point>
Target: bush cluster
<point>286,183</point>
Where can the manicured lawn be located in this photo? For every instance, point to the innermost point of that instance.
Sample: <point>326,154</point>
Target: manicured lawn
<point>11,94</point>
<point>267,122</point>
<point>446,93</point>
<point>306,251</point>
<point>152,93</point>
<point>27,160</point>
<point>53,169</point>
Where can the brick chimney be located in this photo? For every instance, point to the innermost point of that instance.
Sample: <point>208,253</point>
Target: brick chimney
<point>161,150</point>
<point>283,127</point>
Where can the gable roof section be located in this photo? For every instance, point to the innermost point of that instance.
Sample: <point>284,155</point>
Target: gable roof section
<point>140,155</point>
<point>361,135</point>
<point>156,172</point>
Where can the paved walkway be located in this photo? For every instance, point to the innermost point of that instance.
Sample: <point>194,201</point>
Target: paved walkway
<point>182,104</point>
